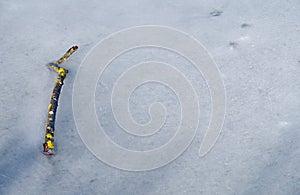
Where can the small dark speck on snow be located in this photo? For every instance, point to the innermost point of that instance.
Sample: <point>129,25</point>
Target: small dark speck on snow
<point>216,13</point>
<point>92,180</point>
<point>245,25</point>
<point>233,44</point>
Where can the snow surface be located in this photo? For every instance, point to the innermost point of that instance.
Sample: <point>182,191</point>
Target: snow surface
<point>256,45</point>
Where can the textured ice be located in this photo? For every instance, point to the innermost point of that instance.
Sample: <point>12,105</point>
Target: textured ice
<point>256,45</point>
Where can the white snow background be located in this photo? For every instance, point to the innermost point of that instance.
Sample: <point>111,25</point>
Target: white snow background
<point>256,45</point>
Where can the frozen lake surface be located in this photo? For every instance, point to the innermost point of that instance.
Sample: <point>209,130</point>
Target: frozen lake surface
<point>256,45</point>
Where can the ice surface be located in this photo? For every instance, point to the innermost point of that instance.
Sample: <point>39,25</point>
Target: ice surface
<point>256,45</point>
